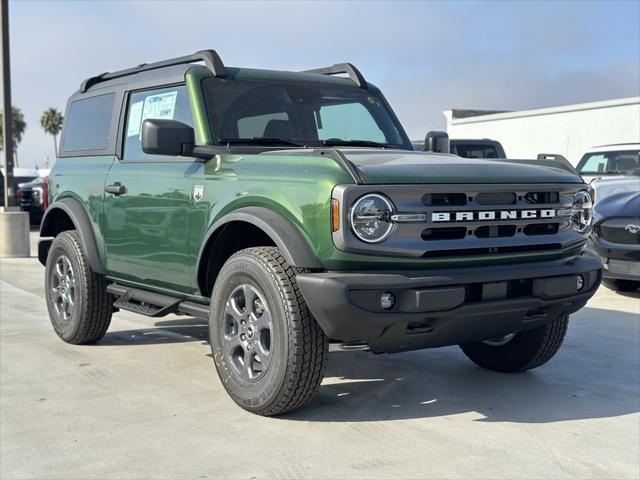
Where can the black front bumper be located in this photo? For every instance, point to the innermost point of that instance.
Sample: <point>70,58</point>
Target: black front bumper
<point>447,307</point>
<point>621,261</point>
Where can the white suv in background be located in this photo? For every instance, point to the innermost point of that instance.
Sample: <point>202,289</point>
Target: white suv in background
<point>611,168</point>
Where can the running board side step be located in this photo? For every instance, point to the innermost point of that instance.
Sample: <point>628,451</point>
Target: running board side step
<point>152,304</point>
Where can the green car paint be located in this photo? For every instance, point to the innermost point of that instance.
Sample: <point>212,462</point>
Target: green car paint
<point>152,235</point>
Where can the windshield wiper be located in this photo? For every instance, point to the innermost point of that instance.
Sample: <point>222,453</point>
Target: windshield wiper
<point>268,141</point>
<point>357,143</point>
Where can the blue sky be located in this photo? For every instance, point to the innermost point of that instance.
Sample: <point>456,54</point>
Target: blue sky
<point>425,56</point>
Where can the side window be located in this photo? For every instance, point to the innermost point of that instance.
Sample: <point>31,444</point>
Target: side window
<point>88,124</point>
<point>249,127</point>
<point>170,103</point>
<point>348,121</point>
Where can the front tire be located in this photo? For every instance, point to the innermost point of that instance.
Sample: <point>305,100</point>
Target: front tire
<point>269,352</point>
<point>621,285</point>
<point>79,306</point>
<point>521,351</point>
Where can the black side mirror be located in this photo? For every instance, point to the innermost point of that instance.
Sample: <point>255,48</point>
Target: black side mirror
<point>437,142</point>
<point>167,137</point>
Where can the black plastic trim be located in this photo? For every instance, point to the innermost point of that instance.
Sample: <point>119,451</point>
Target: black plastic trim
<point>354,74</point>
<point>341,302</point>
<point>192,309</point>
<point>210,58</point>
<point>80,219</point>
<point>291,242</point>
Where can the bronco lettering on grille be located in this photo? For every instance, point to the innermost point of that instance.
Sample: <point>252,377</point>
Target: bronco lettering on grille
<point>488,215</point>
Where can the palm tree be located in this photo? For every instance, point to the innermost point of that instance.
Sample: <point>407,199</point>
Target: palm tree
<point>51,122</point>
<point>19,126</point>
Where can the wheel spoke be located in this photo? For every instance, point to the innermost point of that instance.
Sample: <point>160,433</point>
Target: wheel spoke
<point>263,354</point>
<point>247,368</point>
<point>233,309</point>
<point>249,298</point>
<point>263,321</point>
<point>59,269</point>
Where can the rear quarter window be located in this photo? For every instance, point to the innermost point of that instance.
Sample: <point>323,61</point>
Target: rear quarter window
<point>88,124</point>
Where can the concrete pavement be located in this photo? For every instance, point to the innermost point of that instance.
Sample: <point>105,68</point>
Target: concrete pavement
<point>145,402</point>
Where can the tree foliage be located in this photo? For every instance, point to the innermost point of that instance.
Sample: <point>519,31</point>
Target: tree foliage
<point>51,122</point>
<point>18,124</point>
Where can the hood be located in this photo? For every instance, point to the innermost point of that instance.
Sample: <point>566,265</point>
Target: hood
<point>605,187</point>
<point>621,204</point>
<point>402,166</point>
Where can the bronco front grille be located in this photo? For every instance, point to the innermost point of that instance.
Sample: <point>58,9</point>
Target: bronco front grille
<point>466,219</point>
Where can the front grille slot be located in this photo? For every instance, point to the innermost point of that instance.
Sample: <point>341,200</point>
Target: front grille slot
<point>492,250</point>
<point>619,231</point>
<point>444,199</point>
<point>495,231</point>
<point>496,198</point>
<point>542,197</point>
<point>541,229</point>
<point>444,233</point>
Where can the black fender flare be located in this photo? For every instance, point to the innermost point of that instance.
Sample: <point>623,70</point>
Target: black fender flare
<point>80,219</point>
<point>287,237</point>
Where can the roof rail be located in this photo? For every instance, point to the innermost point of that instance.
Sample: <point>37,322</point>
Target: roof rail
<point>348,68</point>
<point>210,58</point>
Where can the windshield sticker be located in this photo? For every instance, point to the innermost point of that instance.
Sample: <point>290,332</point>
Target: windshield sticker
<point>135,119</point>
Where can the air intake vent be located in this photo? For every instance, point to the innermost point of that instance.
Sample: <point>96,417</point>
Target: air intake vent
<point>488,250</point>
<point>496,198</point>
<point>445,233</point>
<point>495,231</point>
<point>541,229</point>
<point>542,197</point>
<point>444,199</point>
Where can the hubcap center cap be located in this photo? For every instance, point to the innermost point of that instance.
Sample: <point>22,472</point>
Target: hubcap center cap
<point>251,332</point>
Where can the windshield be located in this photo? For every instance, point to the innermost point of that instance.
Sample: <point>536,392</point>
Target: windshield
<point>299,114</point>
<point>614,163</point>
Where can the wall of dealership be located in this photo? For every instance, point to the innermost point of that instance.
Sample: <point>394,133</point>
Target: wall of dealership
<point>568,130</point>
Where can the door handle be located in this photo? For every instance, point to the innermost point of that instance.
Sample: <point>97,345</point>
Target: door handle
<point>115,189</point>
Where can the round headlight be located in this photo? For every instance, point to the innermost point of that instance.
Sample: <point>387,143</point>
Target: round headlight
<point>582,211</point>
<point>370,218</point>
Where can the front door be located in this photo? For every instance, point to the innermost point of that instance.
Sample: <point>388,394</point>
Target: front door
<point>148,200</point>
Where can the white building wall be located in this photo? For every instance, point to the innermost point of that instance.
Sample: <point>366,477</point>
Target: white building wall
<point>568,130</point>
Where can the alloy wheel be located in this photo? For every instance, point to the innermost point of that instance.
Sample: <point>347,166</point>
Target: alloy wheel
<point>247,332</point>
<point>63,288</point>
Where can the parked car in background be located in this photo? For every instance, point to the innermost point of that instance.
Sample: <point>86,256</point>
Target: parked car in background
<point>32,198</point>
<point>484,148</point>
<point>610,161</point>
<point>20,175</point>
<point>467,148</point>
<point>616,238</point>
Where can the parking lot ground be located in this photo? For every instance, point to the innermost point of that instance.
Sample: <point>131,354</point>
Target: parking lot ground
<point>145,402</point>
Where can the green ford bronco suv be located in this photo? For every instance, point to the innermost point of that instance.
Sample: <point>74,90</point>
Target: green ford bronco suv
<point>291,211</point>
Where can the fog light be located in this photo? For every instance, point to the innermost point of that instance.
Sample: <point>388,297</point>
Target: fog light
<point>387,300</point>
<point>579,282</point>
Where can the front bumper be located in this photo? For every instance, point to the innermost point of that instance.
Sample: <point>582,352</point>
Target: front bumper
<point>621,261</point>
<point>448,307</point>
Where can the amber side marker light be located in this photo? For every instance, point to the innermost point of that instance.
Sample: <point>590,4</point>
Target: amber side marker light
<point>335,215</point>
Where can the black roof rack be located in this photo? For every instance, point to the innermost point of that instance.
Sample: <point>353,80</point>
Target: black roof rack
<point>348,68</point>
<point>210,58</point>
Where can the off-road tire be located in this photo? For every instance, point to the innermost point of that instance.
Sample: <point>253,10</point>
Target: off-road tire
<point>525,351</point>
<point>621,285</point>
<point>299,347</point>
<point>93,306</point>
